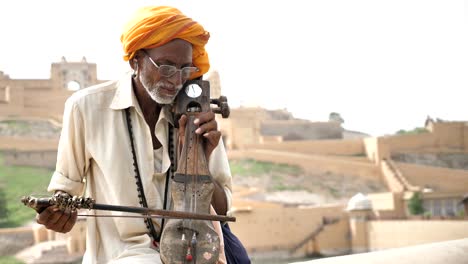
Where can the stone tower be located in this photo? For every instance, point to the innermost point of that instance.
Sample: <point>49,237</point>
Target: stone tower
<point>66,75</point>
<point>215,84</point>
<point>360,211</point>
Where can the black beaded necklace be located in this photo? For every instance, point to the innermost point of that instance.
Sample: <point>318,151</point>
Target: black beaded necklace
<point>141,194</point>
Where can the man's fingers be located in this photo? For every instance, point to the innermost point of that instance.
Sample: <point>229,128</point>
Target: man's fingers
<point>64,218</point>
<point>206,122</point>
<point>204,118</point>
<point>54,219</point>
<point>212,140</point>
<point>207,127</point>
<point>71,222</point>
<point>43,217</point>
<point>57,220</point>
<point>55,216</point>
<point>212,137</point>
<point>66,222</point>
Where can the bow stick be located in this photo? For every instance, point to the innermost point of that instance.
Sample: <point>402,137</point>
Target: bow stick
<point>75,203</point>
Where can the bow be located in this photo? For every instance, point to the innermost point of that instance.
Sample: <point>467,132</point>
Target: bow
<point>75,203</point>
<point>66,202</point>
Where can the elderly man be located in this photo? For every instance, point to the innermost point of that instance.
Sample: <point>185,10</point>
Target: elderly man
<point>108,126</point>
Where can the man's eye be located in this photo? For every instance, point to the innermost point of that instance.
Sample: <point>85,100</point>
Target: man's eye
<point>168,68</point>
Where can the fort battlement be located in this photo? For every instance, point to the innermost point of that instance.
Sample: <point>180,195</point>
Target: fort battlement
<point>256,133</point>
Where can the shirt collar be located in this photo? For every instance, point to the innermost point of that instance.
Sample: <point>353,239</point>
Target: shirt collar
<point>125,97</point>
<point>166,114</point>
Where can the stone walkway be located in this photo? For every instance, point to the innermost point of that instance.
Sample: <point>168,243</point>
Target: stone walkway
<point>50,252</point>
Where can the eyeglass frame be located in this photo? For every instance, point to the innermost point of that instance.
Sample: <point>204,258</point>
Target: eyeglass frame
<point>195,69</point>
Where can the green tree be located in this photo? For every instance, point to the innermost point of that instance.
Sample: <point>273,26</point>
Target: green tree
<point>417,130</point>
<point>335,117</point>
<point>415,204</point>
<point>3,206</point>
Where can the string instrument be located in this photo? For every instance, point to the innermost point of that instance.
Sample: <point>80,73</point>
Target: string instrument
<point>189,235</point>
<point>192,240</point>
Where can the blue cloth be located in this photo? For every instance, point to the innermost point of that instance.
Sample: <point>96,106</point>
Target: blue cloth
<point>233,248</point>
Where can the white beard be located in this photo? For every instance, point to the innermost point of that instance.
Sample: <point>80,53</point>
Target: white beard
<point>154,90</point>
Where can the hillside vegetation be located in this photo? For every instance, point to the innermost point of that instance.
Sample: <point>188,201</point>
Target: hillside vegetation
<point>18,181</point>
<point>445,160</point>
<point>273,179</point>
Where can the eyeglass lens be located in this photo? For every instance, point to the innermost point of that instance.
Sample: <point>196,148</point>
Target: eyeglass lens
<point>169,70</point>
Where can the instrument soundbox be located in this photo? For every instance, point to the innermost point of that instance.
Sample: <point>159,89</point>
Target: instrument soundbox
<point>192,186</point>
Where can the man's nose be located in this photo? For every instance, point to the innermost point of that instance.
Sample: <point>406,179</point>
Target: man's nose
<point>176,78</point>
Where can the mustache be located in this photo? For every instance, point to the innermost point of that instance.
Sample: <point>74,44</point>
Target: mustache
<point>168,86</point>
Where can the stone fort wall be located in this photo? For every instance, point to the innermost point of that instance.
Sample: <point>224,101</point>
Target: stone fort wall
<point>244,130</point>
<point>45,97</point>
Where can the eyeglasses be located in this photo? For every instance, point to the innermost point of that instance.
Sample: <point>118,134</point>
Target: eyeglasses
<point>169,70</point>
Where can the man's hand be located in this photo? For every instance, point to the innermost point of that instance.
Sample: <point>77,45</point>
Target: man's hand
<point>56,219</point>
<point>207,127</point>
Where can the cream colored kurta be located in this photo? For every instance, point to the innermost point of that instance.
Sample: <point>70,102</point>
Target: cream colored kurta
<point>95,145</point>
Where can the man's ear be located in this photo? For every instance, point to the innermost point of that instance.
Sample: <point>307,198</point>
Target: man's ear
<point>133,63</point>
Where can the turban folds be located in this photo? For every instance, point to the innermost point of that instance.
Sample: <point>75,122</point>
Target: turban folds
<point>152,27</point>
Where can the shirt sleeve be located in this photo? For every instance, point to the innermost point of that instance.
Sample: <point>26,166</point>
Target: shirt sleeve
<point>220,170</point>
<point>72,156</point>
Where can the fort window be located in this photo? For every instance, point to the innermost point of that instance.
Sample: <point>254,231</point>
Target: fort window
<point>73,86</point>
<point>437,208</point>
<point>449,207</point>
<point>5,94</point>
<point>442,207</point>
<point>427,205</point>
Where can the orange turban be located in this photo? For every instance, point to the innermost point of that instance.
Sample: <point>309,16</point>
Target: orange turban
<point>152,27</point>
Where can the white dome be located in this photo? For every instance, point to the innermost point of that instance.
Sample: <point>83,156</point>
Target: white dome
<point>359,202</point>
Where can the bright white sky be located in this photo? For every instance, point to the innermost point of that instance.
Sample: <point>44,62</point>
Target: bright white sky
<point>383,65</point>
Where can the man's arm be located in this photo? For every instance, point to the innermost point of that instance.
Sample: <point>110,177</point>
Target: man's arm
<point>221,172</point>
<point>72,162</point>
<point>72,155</point>
<point>219,199</point>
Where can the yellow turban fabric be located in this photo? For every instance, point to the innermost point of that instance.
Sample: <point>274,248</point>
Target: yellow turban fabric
<point>151,27</point>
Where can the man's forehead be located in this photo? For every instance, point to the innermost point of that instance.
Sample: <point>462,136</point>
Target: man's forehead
<point>176,49</point>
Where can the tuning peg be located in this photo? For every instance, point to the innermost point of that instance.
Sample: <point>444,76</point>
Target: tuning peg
<point>223,107</point>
